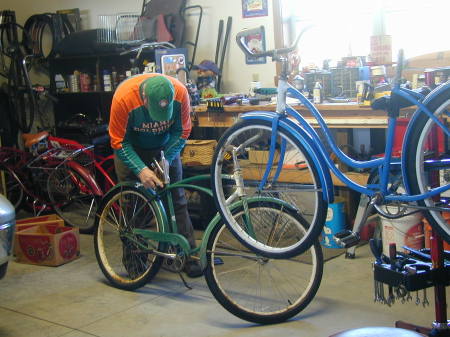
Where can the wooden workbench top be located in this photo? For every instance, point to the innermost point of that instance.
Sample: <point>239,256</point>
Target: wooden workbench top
<point>337,115</point>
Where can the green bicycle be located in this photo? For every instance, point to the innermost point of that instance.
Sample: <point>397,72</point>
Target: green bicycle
<point>134,236</point>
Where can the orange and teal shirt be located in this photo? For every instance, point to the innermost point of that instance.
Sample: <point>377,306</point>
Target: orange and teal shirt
<point>130,124</point>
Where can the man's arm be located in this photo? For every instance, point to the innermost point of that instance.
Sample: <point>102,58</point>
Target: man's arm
<point>118,124</point>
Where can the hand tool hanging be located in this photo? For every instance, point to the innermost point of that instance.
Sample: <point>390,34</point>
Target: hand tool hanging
<point>224,48</point>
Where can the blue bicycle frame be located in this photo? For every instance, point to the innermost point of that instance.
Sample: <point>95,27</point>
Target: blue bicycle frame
<point>314,143</point>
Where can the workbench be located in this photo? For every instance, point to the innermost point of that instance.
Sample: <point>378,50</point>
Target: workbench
<point>337,115</point>
<point>340,117</point>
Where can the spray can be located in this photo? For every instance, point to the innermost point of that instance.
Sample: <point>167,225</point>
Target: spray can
<point>317,93</point>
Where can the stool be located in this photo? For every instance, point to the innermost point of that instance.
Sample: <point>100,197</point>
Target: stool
<point>377,332</point>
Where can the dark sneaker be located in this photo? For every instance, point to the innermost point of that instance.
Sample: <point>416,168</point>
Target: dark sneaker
<point>193,269</point>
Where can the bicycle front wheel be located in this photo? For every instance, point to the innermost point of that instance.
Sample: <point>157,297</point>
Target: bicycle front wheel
<point>428,163</point>
<point>256,288</point>
<point>72,198</point>
<point>10,187</point>
<point>241,170</point>
<point>124,256</point>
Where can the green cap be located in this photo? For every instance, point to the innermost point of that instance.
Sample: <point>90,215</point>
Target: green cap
<point>159,92</point>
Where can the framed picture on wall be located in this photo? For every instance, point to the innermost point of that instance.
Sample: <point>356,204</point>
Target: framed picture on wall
<point>256,42</point>
<point>254,8</point>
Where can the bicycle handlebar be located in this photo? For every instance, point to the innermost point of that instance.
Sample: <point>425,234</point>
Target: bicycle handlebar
<point>146,45</point>
<point>240,39</point>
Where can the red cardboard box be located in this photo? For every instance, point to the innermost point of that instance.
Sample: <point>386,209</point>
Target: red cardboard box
<point>47,245</point>
<point>42,218</point>
<point>50,219</point>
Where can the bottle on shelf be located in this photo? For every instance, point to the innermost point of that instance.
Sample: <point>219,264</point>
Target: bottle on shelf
<point>75,81</point>
<point>317,93</point>
<point>107,86</point>
<point>114,78</point>
<point>60,84</point>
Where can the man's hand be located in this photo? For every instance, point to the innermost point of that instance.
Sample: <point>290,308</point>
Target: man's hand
<point>149,179</point>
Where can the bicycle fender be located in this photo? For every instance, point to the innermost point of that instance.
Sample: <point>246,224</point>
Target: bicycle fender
<point>15,176</point>
<point>161,215</point>
<point>86,175</point>
<point>441,90</point>
<point>217,221</point>
<point>294,129</point>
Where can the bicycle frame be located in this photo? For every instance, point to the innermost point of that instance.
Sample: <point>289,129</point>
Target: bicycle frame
<point>310,138</point>
<point>169,233</point>
<point>99,161</point>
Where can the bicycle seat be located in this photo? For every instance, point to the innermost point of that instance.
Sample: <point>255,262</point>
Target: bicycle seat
<point>30,139</point>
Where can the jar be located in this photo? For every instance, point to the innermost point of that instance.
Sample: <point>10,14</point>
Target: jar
<point>75,81</point>
<point>60,84</point>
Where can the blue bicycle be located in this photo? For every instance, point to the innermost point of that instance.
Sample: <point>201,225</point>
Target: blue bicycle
<point>279,154</point>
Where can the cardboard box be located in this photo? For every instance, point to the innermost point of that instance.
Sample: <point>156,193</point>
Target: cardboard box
<point>51,219</point>
<point>47,245</point>
<point>261,156</point>
<point>36,219</point>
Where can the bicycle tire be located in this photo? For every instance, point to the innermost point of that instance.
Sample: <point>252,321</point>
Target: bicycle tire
<point>21,97</point>
<point>72,198</point>
<point>307,196</point>
<point>117,255</point>
<point>420,175</point>
<point>259,289</point>
<point>11,188</point>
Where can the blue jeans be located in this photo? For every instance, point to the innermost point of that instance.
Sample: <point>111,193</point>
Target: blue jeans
<point>184,222</point>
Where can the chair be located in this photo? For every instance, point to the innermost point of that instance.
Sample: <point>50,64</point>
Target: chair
<point>377,332</point>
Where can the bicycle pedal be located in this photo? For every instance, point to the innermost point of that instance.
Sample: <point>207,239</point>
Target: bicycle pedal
<point>343,234</point>
<point>350,240</point>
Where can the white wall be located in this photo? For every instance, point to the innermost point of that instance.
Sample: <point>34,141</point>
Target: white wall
<point>236,74</point>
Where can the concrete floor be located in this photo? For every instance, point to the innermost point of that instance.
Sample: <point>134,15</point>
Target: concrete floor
<point>74,300</point>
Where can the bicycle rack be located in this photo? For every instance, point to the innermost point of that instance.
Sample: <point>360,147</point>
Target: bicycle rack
<point>420,269</point>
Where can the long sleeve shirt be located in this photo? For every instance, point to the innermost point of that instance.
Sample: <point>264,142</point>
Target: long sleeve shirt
<point>130,124</point>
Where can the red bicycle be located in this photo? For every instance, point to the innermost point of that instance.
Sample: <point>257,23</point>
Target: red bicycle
<point>57,174</point>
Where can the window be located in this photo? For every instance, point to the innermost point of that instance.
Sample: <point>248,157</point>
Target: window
<point>343,28</point>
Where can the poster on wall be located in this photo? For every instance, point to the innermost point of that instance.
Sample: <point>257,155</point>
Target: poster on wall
<point>256,42</point>
<point>254,8</point>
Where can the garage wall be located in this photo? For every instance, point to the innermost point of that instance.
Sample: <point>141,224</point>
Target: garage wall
<point>236,74</point>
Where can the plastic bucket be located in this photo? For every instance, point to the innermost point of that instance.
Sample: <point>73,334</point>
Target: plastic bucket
<point>334,224</point>
<point>405,231</point>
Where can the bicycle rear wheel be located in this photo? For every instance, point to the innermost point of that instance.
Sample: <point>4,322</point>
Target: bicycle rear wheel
<point>10,187</point>
<point>428,163</point>
<point>120,252</point>
<point>259,289</point>
<point>72,198</point>
<point>21,96</point>
<point>243,150</point>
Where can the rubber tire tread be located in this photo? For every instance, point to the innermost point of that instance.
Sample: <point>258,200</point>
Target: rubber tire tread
<point>253,317</point>
<point>410,158</point>
<point>321,209</point>
<point>156,265</point>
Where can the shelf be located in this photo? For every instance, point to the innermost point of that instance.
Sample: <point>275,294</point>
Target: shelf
<point>86,92</point>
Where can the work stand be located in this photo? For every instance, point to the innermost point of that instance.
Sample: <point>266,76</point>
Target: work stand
<point>417,270</point>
